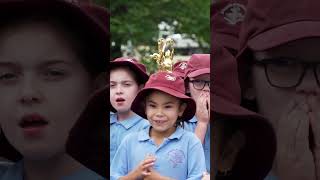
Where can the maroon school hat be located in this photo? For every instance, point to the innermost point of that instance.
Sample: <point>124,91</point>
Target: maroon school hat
<point>179,68</point>
<point>266,25</point>
<point>168,83</point>
<point>84,15</point>
<point>226,19</point>
<point>256,158</point>
<point>198,64</point>
<point>137,67</point>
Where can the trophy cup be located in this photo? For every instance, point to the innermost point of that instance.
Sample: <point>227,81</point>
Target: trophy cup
<point>164,57</point>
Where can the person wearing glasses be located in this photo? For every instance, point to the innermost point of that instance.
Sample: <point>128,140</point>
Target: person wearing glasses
<point>279,73</point>
<point>197,81</point>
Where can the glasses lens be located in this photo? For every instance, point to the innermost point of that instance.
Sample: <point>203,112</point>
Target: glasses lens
<point>284,75</point>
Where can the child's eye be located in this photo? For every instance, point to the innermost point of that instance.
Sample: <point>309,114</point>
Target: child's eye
<point>167,107</point>
<point>7,78</point>
<point>54,74</point>
<point>127,84</point>
<point>152,105</point>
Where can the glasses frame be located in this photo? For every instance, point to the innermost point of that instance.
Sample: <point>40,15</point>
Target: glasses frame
<point>205,83</point>
<point>305,65</point>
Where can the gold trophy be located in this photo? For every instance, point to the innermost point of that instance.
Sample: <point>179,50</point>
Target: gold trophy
<point>164,57</point>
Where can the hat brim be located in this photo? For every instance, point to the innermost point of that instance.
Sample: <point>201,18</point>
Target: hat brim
<point>226,40</point>
<point>141,75</point>
<point>139,108</point>
<point>83,14</point>
<point>199,72</point>
<point>255,160</point>
<point>284,34</point>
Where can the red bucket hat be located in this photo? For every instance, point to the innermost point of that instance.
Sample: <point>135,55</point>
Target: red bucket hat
<point>198,64</point>
<point>256,158</point>
<point>179,68</point>
<point>226,19</point>
<point>138,68</point>
<point>168,83</point>
<point>266,25</point>
<point>87,16</point>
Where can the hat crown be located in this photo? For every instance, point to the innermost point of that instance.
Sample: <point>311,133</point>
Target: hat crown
<point>167,80</point>
<point>133,61</point>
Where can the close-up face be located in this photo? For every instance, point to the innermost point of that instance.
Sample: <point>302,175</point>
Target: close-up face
<point>198,85</point>
<point>43,88</point>
<point>162,111</point>
<point>278,77</point>
<point>123,89</point>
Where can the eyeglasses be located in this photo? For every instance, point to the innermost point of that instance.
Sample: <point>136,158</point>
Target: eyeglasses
<point>287,72</point>
<point>199,84</point>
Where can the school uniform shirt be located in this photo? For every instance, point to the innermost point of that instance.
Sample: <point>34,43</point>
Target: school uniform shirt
<point>180,156</point>
<point>15,172</point>
<point>191,126</point>
<point>119,129</point>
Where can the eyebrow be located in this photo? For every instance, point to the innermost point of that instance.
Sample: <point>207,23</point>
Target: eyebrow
<point>42,64</point>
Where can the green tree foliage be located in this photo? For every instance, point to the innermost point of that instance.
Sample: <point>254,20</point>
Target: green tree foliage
<point>138,20</point>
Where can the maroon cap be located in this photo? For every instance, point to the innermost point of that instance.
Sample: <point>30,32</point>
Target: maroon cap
<point>267,26</point>
<point>137,67</point>
<point>256,158</point>
<point>87,139</point>
<point>179,68</point>
<point>226,19</point>
<point>198,64</point>
<point>168,83</point>
<point>87,16</point>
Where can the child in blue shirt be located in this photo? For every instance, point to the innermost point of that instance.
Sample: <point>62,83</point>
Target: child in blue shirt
<point>197,79</point>
<point>127,77</point>
<point>164,150</point>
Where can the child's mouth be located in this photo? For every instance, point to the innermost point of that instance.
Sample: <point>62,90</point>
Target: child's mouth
<point>33,124</point>
<point>160,122</point>
<point>120,100</point>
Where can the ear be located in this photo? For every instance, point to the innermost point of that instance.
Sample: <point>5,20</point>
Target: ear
<point>182,108</point>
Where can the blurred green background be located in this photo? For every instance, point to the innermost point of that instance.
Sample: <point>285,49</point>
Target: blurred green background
<point>137,25</point>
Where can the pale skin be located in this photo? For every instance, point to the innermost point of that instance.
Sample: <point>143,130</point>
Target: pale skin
<point>124,86</point>
<point>293,112</point>
<point>164,108</point>
<point>202,98</point>
<point>47,78</point>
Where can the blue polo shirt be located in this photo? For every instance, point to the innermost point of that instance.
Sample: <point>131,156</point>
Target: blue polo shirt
<point>191,126</point>
<point>180,156</point>
<point>15,172</point>
<point>119,129</point>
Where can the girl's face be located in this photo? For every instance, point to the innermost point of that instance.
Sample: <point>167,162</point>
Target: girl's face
<point>162,111</point>
<point>198,82</point>
<point>283,70</point>
<point>43,88</point>
<point>123,89</point>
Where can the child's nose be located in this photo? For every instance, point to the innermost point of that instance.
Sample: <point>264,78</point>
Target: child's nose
<point>30,93</point>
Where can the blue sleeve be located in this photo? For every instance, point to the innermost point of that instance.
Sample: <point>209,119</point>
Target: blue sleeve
<point>196,160</point>
<point>119,165</point>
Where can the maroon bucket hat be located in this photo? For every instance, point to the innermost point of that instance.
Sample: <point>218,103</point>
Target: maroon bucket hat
<point>266,25</point>
<point>226,19</point>
<point>198,64</point>
<point>179,68</point>
<point>137,67</point>
<point>168,83</point>
<point>91,130</point>
<point>256,158</point>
